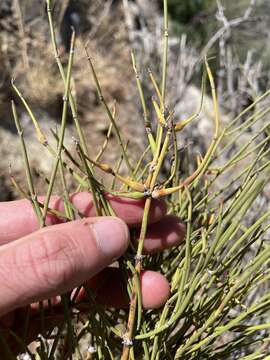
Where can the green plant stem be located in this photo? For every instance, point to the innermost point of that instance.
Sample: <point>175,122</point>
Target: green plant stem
<point>165,51</point>
<point>128,336</point>
<point>62,130</point>
<point>134,296</point>
<point>264,257</point>
<point>43,140</point>
<point>62,73</point>
<point>29,177</point>
<point>90,180</point>
<point>147,123</point>
<point>110,115</point>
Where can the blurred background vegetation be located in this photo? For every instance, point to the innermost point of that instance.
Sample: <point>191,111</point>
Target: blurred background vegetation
<point>199,20</point>
<point>188,15</point>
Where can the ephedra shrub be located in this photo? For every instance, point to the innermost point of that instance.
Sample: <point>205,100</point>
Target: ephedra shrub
<point>219,301</point>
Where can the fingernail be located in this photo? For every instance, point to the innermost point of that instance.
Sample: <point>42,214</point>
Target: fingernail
<point>112,236</point>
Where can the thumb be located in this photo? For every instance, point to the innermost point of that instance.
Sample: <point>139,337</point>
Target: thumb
<point>56,259</point>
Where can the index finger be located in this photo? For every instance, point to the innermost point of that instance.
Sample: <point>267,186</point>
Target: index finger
<point>17,218</point>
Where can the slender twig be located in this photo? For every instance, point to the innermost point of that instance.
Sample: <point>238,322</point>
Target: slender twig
<point>90,181</point>
<point>63,128</point>
<point>62,73</point>
<point>108,111</point>
<point>147,123</point>
<point>165,51</point>
<point>29,177</point>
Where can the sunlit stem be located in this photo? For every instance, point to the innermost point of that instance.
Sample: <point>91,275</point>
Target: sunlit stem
<point>62,130</point>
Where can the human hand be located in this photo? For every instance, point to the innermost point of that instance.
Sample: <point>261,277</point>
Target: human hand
<point>41,264</point>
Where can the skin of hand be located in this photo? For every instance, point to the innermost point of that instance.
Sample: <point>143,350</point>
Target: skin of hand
<point>38,264</point>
